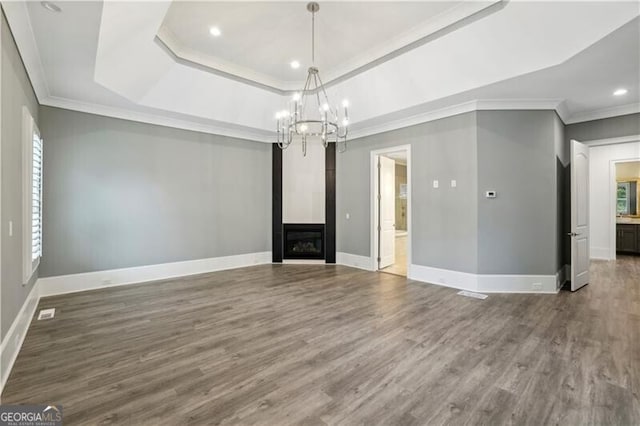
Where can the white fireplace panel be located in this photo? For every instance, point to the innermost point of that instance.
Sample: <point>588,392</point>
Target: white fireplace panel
<point>303,183</point>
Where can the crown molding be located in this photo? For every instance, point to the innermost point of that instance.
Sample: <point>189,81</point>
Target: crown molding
<point>380,124</point>
<point>233,131</point>
<point>191,58</point>
<point>599,114</point>
<point>475,105</point>
<point>22,31</point>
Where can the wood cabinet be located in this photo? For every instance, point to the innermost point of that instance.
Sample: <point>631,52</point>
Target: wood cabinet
<point>628,238</point>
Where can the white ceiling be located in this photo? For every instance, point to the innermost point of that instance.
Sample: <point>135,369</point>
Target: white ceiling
<point>260,39</point>
<point>106,58</point>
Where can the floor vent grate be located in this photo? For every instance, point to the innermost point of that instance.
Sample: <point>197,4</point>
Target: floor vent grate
<point>47,314</point>
<point>472,294</point>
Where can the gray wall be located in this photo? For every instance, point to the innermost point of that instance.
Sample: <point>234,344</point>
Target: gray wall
<point>517,230</point>
<point>512,152</point>
<point>624,125</point>
<point>444,220</point>
<point>16,93</point>
<point>119,194</point>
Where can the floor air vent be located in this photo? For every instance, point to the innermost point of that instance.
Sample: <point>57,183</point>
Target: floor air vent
<point>47,314</point>
<point>472,294</point>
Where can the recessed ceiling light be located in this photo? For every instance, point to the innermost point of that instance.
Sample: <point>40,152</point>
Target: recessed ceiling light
<point>620,92</point>
<point>215,31</point>
<point>295,65</point>
<point>52,7</point>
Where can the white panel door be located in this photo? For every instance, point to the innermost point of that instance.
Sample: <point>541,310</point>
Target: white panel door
<point>579,215</point>
<point>387,212</point>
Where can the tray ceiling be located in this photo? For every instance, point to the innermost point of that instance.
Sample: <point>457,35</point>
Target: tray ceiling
<point>259,40</point>
<point>105,58</point>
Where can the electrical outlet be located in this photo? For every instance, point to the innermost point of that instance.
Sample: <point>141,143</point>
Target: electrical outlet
<point>536,286</point>
<point>436,184</point>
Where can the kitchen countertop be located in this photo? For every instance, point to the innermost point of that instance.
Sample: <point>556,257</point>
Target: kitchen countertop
<point>628,220</point>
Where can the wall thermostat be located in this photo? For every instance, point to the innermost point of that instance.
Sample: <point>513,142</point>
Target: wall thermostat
<point>491,194</point>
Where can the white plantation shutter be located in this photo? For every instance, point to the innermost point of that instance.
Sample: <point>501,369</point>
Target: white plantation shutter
<point>32,155</point>
<point>36,198</point>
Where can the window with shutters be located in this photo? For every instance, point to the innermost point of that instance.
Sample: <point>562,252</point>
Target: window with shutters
<point>32,196</point>
<point>36,198</point>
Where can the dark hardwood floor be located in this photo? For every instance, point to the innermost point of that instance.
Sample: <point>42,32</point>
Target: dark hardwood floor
<point>295,344</point>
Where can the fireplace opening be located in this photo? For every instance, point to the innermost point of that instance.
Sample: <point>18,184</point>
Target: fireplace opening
<point>303,241</point>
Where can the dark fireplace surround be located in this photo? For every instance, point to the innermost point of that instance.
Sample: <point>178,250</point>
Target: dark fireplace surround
<point>302,240</point>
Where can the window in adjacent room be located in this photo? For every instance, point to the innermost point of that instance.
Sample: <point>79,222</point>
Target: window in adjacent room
<point>32,196</point>
<point>622,198</point>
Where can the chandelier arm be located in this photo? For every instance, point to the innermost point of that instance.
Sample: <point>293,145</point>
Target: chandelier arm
<point>303,97</point>
<point>326,98</point>
<point>317,92</point>
<point>344,144</point>
<point>283,146</point>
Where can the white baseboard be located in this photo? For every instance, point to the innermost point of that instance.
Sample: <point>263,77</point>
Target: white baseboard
<point>12,342</point>
<point>603,253</point>
<point>485,283</point>
<point>63,284</point>
<point>443,277</point>
<point>546,284</point>
<point>355,261</point>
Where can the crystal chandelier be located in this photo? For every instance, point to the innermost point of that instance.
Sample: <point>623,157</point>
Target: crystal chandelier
<point>309,113</point>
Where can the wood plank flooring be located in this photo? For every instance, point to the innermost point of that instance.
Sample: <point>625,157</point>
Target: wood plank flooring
<point>399,267</point>
<point>330,345</point>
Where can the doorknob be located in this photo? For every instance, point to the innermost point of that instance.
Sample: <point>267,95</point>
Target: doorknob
<point>572,234</point>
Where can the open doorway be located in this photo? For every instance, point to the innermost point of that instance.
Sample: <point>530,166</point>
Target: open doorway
<point>391,237</point>
<point>627,208</point>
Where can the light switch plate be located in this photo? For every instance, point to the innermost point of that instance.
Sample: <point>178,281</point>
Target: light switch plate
<point>436,184</point>
<point>454,183</point>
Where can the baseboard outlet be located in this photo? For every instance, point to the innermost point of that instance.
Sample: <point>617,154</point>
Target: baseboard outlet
<point>51,286</point>
<point>14,338</point>
<point>601,253</point>
<point>483,283</point>
<point>355,261</point>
